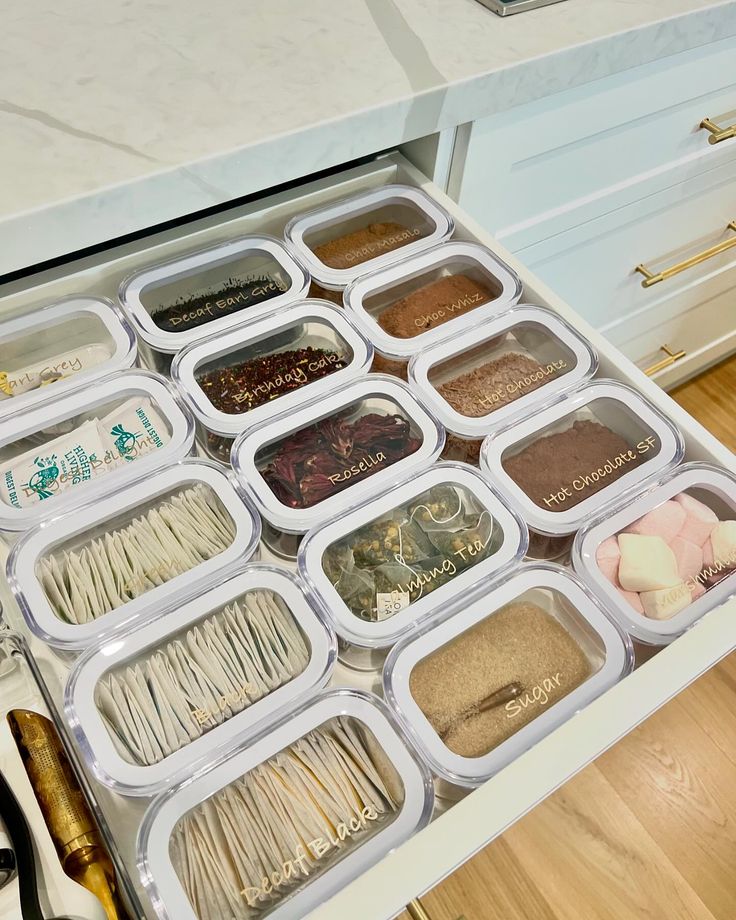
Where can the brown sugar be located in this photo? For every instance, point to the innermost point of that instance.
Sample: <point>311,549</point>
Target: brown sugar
<point>494,384</point>
<point>520,644</point>
<point>432,305</point>
<point>562,464</point>
<point>368,243</point>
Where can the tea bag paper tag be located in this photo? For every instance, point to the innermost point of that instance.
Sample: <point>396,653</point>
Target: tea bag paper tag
<point>391,603</point>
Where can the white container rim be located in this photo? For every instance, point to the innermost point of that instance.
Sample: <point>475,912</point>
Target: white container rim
<point>471,772</point>
<point>300,520</point>
<point>384,633</point>
<point>563,523</point>
<point>157,872</point>
<point>65,309</point>
<point>115,387</point>
<point>402,349</point>
<point>33,602</point>
<point>465,426</point>
<point>337,278</point>
<point>703,476</point>
<point>94,738</point>
<point>187,362</point>
<point>131,289</point>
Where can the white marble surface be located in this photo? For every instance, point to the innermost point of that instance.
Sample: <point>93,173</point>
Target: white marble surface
<point>115,116</point>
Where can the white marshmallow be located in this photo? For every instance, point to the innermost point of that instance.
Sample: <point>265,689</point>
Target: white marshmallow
<point>665,603</point>
<point>647,563</point>
<point>723,540</point>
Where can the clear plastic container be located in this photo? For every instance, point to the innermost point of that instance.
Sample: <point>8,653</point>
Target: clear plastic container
<point>387,811</point>
<point>502,669</point>
<point>151,706</point>
<point>356,235</point>
<point>59,347</point>
<point>429,298</point>
<point>240,378</point>
<point>208,292</point>
<point>303,467</point>
<point>398,558</point>
<point>587,452</point>
<point>84,445</point>
<point>183,528</point>
<point>674,547</point>
<point>497,371</point>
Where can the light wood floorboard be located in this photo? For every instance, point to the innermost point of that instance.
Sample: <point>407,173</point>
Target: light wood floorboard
<point>649,830</point>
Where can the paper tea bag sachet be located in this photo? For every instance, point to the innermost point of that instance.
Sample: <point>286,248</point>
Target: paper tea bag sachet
<point>50,370</point>
<point>53,467</point>
<point>133,429</point>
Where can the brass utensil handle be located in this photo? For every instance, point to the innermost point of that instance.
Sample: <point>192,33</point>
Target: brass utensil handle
<point>651,278</point>
<point>717,133</point>
<point>672,356</point>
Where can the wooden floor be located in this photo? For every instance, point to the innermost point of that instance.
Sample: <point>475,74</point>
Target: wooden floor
<point>649,830</point>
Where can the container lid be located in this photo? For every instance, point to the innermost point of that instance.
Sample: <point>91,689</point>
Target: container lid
<point>566,463</point>
<point>211,290</point>
<point>481,379</point>
<point>443,291</point>
<point>310,323</point>
<point>526,596</point>
<point>75,530</point>
<point>684,553</point>
<point>60,347</point>
<point>241,711</point>
<point>323,448</point>
<point>409,551</point>
<point>360,234</point>
<point>81,446</point>
<point>158,873</point>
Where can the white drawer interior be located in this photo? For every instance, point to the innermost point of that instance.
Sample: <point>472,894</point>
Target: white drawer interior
<point>467,826</point>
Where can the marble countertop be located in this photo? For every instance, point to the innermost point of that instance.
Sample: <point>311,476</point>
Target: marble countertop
<point>115,116</point>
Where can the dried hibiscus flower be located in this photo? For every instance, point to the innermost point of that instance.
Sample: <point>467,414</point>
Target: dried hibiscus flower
<point>325,458</point>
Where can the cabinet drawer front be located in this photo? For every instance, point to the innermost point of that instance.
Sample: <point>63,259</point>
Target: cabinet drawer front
<point>593,265</point>
<point>547,155</point>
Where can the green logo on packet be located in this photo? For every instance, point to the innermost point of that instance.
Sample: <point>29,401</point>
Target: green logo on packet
<point>125,441</point>
<point>46,475</point>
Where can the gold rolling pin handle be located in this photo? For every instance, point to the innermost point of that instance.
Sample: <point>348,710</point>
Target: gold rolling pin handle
<point>651,278</point>
<point>717,133</point>
<point>672,356</point>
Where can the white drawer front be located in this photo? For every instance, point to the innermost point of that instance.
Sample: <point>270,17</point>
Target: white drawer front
<point>524,164</point>
<point>592,265</point>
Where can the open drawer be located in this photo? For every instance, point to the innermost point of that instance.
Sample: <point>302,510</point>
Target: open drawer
<point>461,830</point>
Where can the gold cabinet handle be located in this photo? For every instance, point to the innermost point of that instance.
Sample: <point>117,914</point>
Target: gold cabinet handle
<point>416,911</point>
<point>651,278</point>
<point>672,356</point>
<point>717,133</point>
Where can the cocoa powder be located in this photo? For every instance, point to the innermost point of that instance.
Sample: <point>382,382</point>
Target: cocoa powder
<point>434,304</point>
<point>497,383</point>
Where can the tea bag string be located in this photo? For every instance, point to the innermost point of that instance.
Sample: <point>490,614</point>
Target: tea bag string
<point>434,520</point>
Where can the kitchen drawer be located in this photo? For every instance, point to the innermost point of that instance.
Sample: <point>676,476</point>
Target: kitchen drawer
<point>519,168</point>
<point>592,265</point>
<point>457,831</point>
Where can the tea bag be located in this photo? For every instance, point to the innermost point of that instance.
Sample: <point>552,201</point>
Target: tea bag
<point>437,509</point>
<point>386,540</point>
<point>133,429</point>
<point>358,591</point>
<point>473,543</point>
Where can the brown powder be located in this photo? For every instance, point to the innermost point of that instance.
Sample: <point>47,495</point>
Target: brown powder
<point>497,383</point>
<point>383,365</point>
<point>368,243</point>
<point>521,643</point>
<point>316,290</point>
<point>463,449</point>
<point>557,463</point>
<point>433,305</point>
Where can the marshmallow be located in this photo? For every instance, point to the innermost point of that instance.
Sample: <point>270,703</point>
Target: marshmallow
<point>723,541</point>
<point>665,603</point>
<point>688,556</point>
<point>647,563</point>
<point>666,521</point>
<point>697,590</point>
<point>699,520</point>
<point>632,598</point>
<point>608,549</point>
<point>609,570</point>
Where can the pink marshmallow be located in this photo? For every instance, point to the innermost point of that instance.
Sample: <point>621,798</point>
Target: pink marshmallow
<point>707,553</point>
<point>632,598</point>
<point>699,520</point>
<point>666,522</point>
<point>609,569</point>
<point>697,591</point>
<point>688,556</point>
<point>608,550</point>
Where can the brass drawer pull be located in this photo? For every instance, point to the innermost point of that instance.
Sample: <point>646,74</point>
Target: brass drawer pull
<point>417,912</point>
<point>651,278</point>
<point>672,356</point>
<point>717,134</point>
